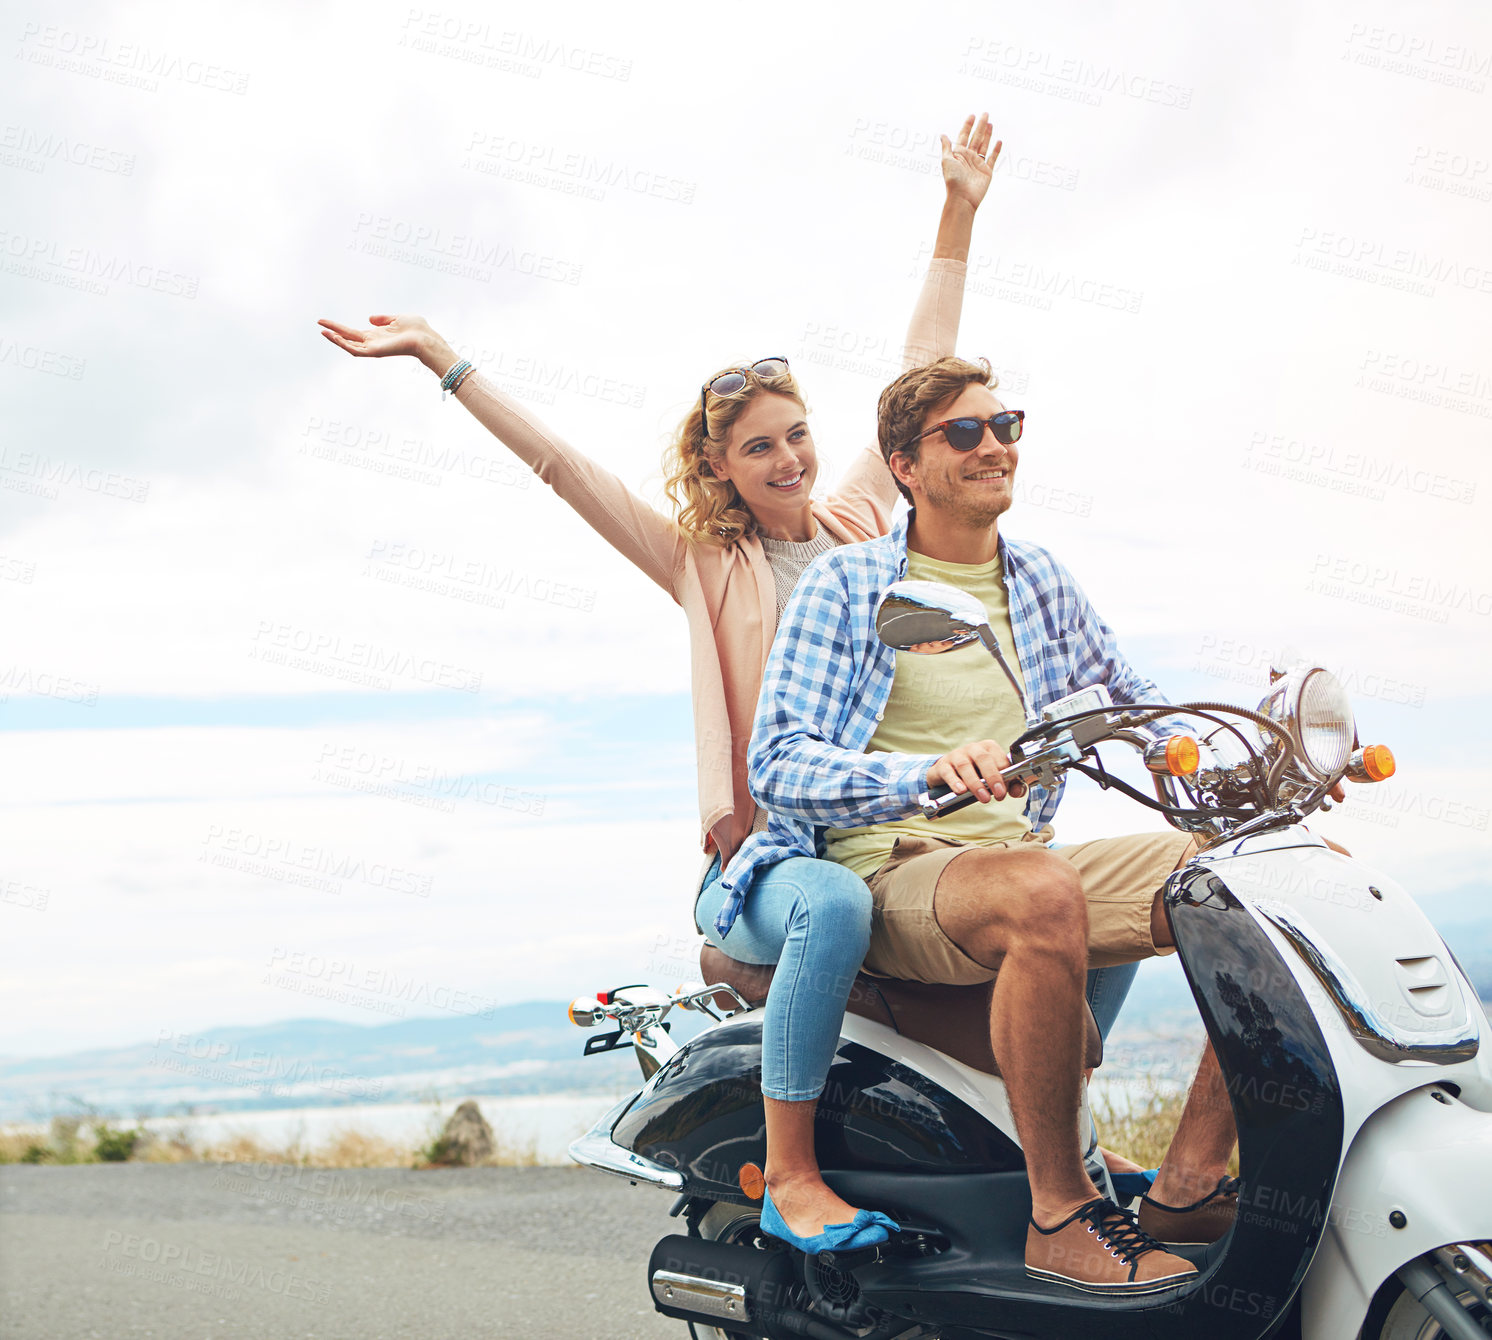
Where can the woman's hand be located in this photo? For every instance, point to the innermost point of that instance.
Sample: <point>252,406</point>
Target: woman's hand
<point>966,168</point>
<point>393,335</point>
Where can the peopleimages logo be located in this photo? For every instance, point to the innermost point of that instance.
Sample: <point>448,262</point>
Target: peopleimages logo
<point>1031,284</point>
<point>26,147</point>
<point>509,51</point>
<point>337,978</point>
<point>1065,76</point>
<point>1419,56</point>
<point>1427,381</point>
<point>413,242</point>
<point>272,1074</point>
<point>288,860</point>
<point>1354,256</point>
<point>83,268</point>
<point>406,458</point>
<point>330,1194</point>
<point>36,472</point>
<point>132,64</point>
<point>322,652</point>
<point>44,683</point>
<point>1417,595</point>
<point>186,1267</point>
<point>570,171</point>
<point>35,358</point>
<point>1350,470</point>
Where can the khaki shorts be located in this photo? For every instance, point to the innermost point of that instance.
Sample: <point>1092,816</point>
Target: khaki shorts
<point>1120,877</point>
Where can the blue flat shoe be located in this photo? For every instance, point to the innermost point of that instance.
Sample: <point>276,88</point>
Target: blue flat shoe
<point>1129,1185</point>
<point>867,1229</point>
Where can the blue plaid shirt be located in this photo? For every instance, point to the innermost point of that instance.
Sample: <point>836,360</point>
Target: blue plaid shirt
<point>829,676</point>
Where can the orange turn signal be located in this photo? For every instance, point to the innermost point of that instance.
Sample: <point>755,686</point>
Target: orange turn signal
<point>1178,756</point>
<point>1182,755</point>
<point>1371,763</point>
<point>583,1012</point>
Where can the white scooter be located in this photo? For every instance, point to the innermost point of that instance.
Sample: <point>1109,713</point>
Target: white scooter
<point>1354,1048</point>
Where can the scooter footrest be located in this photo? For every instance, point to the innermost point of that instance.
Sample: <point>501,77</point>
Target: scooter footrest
<point>908,1242</point>
<point>853,1260</point>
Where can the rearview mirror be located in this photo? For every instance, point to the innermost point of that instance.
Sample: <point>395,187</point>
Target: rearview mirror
<point>929,618</point>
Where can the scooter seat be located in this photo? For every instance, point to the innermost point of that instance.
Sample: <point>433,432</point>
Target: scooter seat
<point>953,1019</point>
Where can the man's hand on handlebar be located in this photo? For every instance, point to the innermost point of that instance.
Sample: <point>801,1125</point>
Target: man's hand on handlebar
<point>975,768</point>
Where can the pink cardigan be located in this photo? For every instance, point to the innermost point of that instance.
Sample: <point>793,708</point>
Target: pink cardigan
<point>727,591</point>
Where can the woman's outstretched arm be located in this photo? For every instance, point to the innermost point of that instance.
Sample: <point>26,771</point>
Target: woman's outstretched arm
<point>933,333</point>
<point>637,531</point>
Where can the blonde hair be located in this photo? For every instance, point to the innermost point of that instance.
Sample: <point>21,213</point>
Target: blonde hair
<point>709,508</point>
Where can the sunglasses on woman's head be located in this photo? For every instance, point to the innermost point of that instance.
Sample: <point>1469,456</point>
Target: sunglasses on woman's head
<point>729,383</point>
<point>966,434</point>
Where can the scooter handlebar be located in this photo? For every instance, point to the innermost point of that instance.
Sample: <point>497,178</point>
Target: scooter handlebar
<point>941,799</point>
<point>1034,767</point>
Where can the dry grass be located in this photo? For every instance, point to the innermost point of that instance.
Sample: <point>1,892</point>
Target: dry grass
<point>1141,1127</point>
<point>514,1154</point>
<point>345,1149</point>
<point>166,1150</point>
<point>1140,1124</point>
<point>353,1149</point>
<point>505,1154</point>
<point>69,1141</point>
<point>14,1145</point>
<point>66,1140</point>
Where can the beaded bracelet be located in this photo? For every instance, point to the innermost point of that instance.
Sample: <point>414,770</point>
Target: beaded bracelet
<point>453,377</point>
<point>464,374</point>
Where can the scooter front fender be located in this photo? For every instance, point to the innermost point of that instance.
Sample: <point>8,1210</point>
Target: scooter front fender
<point>1426,1157</point>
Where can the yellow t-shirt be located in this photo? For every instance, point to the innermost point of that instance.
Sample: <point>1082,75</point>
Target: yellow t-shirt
<point>938,703</point>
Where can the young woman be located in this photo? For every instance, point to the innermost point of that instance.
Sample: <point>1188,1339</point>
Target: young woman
<point>740,471</point>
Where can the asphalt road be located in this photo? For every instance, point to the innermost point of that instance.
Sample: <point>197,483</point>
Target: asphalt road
<point>211,1252</point>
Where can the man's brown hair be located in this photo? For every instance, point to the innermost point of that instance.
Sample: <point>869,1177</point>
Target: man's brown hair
<point>907,402</point>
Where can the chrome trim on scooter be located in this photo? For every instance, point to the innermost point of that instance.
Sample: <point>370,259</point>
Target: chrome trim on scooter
<point>596,1149</point>
<point>1469,1265</point>
<point>1436,1298</point>
<point>710,1297</point>
<point>1368,1027</point>
<point>654,1048</point>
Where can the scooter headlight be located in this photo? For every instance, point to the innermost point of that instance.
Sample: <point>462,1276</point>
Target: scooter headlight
<point>1314,707</point>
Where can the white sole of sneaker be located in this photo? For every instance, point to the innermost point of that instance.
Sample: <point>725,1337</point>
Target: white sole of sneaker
<point>1124,1290</point>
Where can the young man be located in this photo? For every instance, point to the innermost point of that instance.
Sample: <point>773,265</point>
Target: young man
<point>848,735</point>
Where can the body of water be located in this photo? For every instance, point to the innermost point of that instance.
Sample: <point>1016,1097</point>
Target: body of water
<point>545,1122</point>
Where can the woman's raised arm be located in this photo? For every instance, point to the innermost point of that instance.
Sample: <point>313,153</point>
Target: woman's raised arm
<point>933,332</point>
<point>637,531</point>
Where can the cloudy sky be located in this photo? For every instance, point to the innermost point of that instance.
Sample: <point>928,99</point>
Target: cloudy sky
<point>299,667</point>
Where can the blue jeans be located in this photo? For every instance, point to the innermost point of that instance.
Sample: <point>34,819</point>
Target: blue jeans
<point>812,919</point>
<point>1107,988</point>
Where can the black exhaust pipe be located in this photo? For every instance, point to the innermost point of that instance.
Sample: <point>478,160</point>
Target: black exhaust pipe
<point>740,1289</point>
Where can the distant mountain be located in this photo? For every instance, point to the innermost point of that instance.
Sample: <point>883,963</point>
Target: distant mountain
<point>518,1049</point>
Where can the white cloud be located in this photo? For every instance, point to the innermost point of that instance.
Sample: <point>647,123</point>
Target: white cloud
<point>1281,444</point>
<point>172,865</point>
